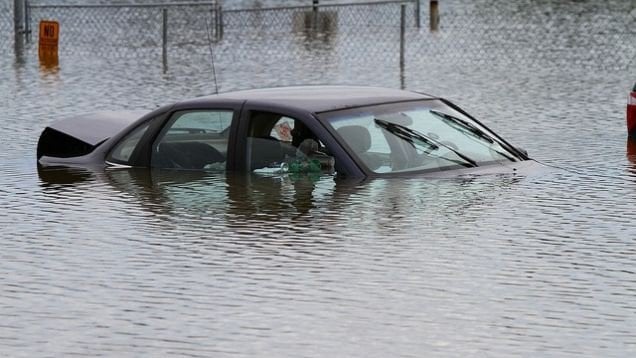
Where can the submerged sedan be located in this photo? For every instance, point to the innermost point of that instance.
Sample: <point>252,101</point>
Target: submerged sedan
<point>351,131</point>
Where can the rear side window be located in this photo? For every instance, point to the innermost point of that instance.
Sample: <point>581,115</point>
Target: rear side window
<point>122,151</point>
<point>195,140</point>
<point>201,122</point>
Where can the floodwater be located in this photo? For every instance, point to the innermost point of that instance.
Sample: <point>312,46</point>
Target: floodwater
<point>145,263</point>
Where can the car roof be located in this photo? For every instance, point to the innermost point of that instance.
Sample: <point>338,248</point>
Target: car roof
<point>318,99</point>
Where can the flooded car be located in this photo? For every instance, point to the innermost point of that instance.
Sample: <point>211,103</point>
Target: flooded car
<point>354,132</point>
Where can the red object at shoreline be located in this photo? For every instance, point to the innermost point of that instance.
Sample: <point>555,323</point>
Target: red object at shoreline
<point>631,113</point>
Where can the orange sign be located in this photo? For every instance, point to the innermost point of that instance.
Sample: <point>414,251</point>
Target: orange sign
<point>49,32</point>
<point>49,38</point>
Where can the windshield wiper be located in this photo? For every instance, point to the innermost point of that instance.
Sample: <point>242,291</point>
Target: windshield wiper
<point>406,133</point>
<point>463,125</point>
<point>468,128</point>
<point>412,136</point>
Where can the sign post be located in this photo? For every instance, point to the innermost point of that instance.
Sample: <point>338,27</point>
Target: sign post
<point>19,28</point>
<point>434,15</point>
<point>48,44</point>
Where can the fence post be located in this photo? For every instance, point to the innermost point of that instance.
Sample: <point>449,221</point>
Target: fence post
<point>402,33</point>
<point>314,8</point>
<point>27,22</point>
<point>217,27</point>
<point>19,28</point>
<point>418,14</point>
<point>218,21</point>
<point>164,13</point>
<point>434,15</point>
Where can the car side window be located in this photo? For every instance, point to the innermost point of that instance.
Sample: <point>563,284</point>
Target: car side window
<point>278,144</point>
<point>122,152</point>
<point>195,140</point>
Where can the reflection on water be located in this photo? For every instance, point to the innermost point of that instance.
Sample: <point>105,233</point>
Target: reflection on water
<point>274,197</point>
<point>631,155</point>
<point>160,263</point>
<point>293,265</point>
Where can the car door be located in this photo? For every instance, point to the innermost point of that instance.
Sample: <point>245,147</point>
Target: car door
<point>277,140</point>
<point>195,136</point>
<point>194,139</point>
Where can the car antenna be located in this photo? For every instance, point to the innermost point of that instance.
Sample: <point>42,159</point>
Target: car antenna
<point>211,48</point>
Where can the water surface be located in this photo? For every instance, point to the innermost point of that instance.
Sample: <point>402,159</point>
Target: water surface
<point>136,262</point>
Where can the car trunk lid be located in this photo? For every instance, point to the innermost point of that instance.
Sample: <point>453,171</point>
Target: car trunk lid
<point>80,135</point>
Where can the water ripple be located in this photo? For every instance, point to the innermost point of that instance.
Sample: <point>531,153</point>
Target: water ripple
<point>136,262</point>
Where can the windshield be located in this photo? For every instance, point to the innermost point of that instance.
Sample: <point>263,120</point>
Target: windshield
<point>416,136</point>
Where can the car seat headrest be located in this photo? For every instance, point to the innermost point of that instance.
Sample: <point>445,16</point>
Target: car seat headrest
<point>357,137</point>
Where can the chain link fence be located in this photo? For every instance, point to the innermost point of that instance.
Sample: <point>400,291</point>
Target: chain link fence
<point>359,33</point>
<point>478,33</point>
<point>116,31</point>
<point>535,33</point>
<point>6,28</point>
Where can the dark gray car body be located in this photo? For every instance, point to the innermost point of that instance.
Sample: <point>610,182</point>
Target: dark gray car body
<point>85,141</point>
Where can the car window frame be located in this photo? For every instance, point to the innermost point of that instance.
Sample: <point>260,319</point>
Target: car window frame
<point>142,154</point>
<point>179,113</point>
<point>138,156</point>
<point>344,166</point>
<point>179,110</point>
